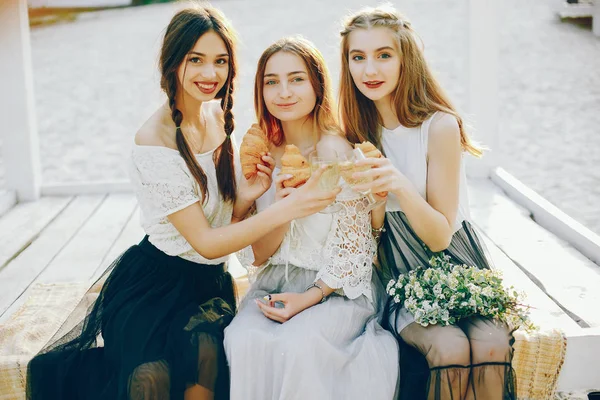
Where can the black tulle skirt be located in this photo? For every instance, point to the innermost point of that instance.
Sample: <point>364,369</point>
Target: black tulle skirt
<point>400,251</point>
<point>155,330</point>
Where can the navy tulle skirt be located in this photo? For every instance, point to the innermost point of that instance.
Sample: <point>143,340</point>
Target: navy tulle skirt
<point>155,330</point>
<point>400,251</point>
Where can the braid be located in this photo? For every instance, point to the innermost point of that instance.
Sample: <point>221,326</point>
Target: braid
<point>182,144</point>
<point>225,165</point>
<point>184,30</point>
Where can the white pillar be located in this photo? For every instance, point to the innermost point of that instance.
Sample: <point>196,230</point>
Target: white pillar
<point>483,100</point>
<point>596,18</point>
<point>18,128</point>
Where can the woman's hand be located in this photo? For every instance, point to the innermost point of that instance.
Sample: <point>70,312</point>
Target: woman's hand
<point>309,198</point>
<point>381,196</point>
<point>281,192</point>
<point>251,189</point>
<point>382,177</point>
<point>293,303</point>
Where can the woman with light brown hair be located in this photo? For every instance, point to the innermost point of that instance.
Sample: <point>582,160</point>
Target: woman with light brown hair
<point>307,327</point>
<point>389,96</point>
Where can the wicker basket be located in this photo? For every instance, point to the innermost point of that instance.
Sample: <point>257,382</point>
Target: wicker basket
<point>537,360</point>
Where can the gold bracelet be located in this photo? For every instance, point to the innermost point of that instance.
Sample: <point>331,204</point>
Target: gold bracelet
<point>378,231</point>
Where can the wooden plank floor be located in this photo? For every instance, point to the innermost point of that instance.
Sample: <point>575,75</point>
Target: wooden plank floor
<point>72,248</point>
<point>65,239</point>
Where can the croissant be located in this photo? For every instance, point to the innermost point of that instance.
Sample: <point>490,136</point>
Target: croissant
<point>254,143</point>
<point>368,149</point>
<point>294,163</point>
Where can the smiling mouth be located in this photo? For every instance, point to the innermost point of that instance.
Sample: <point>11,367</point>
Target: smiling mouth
<point>373,84</point>
<point>206,87</point>
<point>285,105</point>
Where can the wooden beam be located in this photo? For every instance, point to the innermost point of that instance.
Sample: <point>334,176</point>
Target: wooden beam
<point>483,82</point>
<point>18,133</point>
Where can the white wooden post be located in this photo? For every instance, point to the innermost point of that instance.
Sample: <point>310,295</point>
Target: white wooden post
<point>18,127</point>
<point>596,18</point>
<point>483,82</point>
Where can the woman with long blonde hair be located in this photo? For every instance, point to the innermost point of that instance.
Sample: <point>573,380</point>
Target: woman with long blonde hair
<point>315,334</point>
<point>389,96</point>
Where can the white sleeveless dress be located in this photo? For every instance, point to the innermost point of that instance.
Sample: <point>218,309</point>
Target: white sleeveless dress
<point>401,250</point>
<point>407,148</point>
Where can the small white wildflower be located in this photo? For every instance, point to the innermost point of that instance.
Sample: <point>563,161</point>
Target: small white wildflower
<point>389,288</point>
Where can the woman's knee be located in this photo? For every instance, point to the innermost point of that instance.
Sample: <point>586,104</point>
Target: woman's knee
<point>209,353</point>
<point>449,349</point>
<point>441,345</point>
<point>495,348</point>
<point>150,381</point>
<point>490,341</point>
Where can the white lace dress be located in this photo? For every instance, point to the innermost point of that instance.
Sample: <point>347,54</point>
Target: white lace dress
<point>333,350</point>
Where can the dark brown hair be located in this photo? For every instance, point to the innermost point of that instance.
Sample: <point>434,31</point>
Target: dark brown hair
<point>184,30</point>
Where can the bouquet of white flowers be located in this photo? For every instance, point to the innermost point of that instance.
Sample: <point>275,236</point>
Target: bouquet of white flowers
<point>445,293</point>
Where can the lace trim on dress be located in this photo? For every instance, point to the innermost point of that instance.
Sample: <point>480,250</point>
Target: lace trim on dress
<point>349,250</point>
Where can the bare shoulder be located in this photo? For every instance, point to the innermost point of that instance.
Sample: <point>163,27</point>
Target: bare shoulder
<point>444,129</point>
<point>214,109</point>
<point>333,141</point>
<point>154,131</point>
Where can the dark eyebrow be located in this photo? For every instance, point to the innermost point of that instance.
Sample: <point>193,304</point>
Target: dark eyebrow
<point>379,49</point>
<point>204,55</point>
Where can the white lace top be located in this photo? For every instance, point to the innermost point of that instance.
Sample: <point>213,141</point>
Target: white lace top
<point>339,246</point>
<point>163,185</point>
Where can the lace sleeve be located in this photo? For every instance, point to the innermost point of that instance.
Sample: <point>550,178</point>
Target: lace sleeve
<point>162,183</point>
<point>349,250</point>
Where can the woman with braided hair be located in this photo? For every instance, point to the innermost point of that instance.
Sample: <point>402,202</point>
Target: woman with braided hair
<point>389,96</point>
<point>165,302</point>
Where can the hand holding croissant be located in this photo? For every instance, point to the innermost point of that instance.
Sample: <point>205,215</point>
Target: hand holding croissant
<point>254,146</point>
<point>293,163</point>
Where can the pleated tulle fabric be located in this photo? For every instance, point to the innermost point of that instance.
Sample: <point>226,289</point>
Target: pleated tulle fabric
<point>155,330</point>
<point>431,365</point>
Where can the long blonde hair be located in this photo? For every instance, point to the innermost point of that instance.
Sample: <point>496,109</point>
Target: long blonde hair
<point>323,115</point>
<point>417,96</point>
